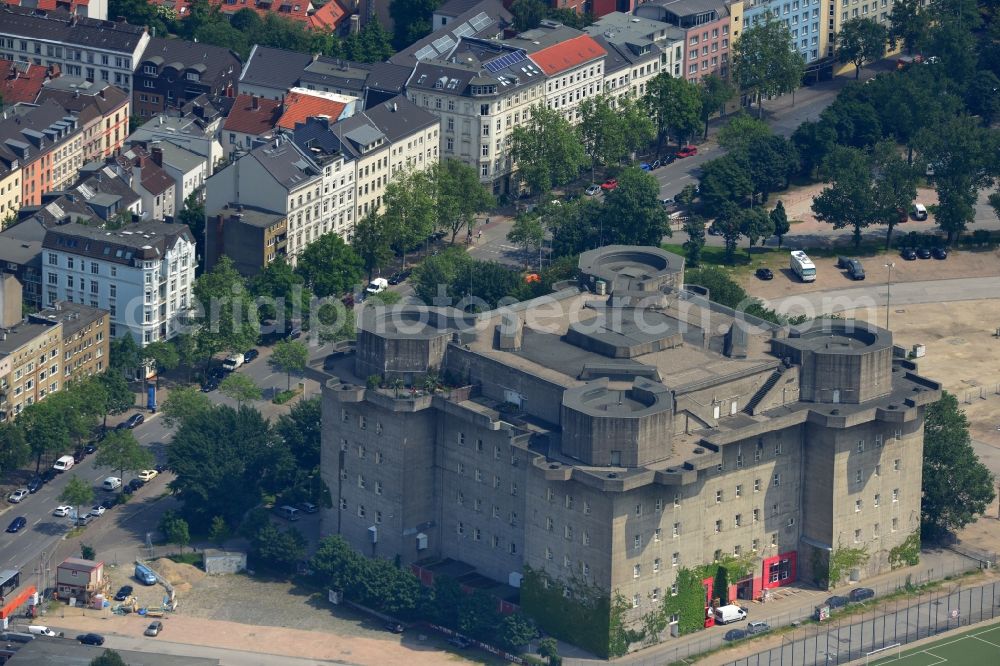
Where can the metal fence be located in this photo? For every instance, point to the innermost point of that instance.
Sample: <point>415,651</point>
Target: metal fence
<point>886,625</point>
<point>945,565</point>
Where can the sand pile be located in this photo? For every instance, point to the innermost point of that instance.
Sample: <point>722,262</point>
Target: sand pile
<point>181,576</point>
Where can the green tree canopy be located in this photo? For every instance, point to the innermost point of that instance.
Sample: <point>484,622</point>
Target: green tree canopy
<point>528,14</point>
<point>79,494</point>
<point>109,658</point>
<point>861,41</point>
<point>226,317</point>
<point>289,356</point>
<point>282,293</point>
<point>908,23</point>
<point>460,196</point>
<point>411,20</point>
<point>715,93</point>
<point>329,266</point>
<point>301,429</point>
<point>546,150</point>
<point>765,63</point>
<point>675,106</point>
<point>527,233</point>
<point>371,242</point>
<point>183,403</point>
<point>779,219</point>
<point>957,487</point>
<point>410,213</point>
<point>121,452</point>
<point>240,388</point>
<point>633,214</point>
<point>755,225</point>
<point>370,44</point>
<point>847,202</point>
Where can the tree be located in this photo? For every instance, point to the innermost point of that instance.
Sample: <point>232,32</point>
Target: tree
<point>370,44</point>
<point>982,97</point>
<point>339,566</point>
<point>460,196</point>
<point>755,225</point>
<point>957,487</point>
<point>528,233</point>
<point>515,631</point>
<point>895,187</point>
<point>772,161</point>
<point>814,141</point>
<point>546,150</point>
<point>675,106</point>
<point>741,131</point>
<point>527,14</point>
<point>724,181</point>
<point>779,219</point>
<point>289,356</point>
<point>601,132</point>
<point>281,294</point>
<point>121,452</point>
<point>861,41</point>
<point>729,224</point>
<point>548,648</point>
<point>175,529</point>
<point>453,275</point>
<point>222,459</point>
<point>633,214</point>
<point>218,533</point>
<point>125,354</point>
<point>964,156</point>
<point>857,123</point>
<point>300,429</point>
<point>109,658</point>
<point>182,403</point>
<point>15,450</point>
<point>371,242</point>
<point>409,210</point>
<point>79,494</point>
<point>765,63</point>
<point>161,355</point>
<point>908,23</point>
<point>720,586</point>
<point>45,430</point>
<point>575,226</point>
<point>87,552</point>
<point>246,20</point>
<point>694,227</point>
<point>411,20</point>
<point>240,388</point>
<point>329,266</point>
<point>715,92</point>
<point>119,398</point>
<point>639,127</point>
<point>193,213</point>
<point>282,550</point>
<point>225,310</point>
<point>847,202</point>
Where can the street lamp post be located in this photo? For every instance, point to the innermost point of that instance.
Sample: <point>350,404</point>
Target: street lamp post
<point>888,293</point>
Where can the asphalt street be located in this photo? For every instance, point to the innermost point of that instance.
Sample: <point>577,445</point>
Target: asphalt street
<point>904,293</point>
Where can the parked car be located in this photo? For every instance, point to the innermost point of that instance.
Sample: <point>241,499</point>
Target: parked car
<point>123,592</point>
<point>62,511</point>
<point>609,184</point>
<point>377,286</point>
<point>148,474</point>
<point>308,507</point>
<point>135,484</point>
<point>837,601</point>
<point>908,253</point>
<point>668,202</point>
<point>593,190</point>
<point>18,495</point>
<point>217,372</point>
<point>35,484</point>
<point>17,524</point>
<point>401,276</point>
<point>458,642</point>
<point>924,253</point>
<point>48,475</point>
<point>940,252</point>
<point>233,361</point>
<point>210,385</point>
<point>109,503</point>
<point>153,629</point>
<point>713,230</point>
<point>759,627</point>
<point>91,639</point>
<point>919,212</point>
<point>735,635</point>
<point>861,594</point>
<point>90,448</point>
<point>764,274</point>
<point>250,355</point>
<point>111,483</point>
<point>97,510</point>
<point>79,455</point>
<point>135,420</point>
<point>645,166</point>
<point>669,159</point>
<point>394,627</point>
<point>687,151</point>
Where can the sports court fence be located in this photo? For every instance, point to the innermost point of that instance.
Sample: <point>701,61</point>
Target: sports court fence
<point>884,626</point>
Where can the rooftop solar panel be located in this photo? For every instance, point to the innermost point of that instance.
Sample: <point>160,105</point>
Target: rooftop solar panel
<point>425,53</point>
<point>480,21</point>
<point>463,30</point>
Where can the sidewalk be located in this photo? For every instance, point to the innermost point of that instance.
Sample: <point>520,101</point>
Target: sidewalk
<point>793,604</point>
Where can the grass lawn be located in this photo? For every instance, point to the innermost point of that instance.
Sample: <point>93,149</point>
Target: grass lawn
<point>977,647</point>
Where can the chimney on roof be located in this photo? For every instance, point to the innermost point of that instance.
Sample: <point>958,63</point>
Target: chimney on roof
<point>254,102</point>
<point>101,94</point>
<point>157,155</point>
<point>394,107</point>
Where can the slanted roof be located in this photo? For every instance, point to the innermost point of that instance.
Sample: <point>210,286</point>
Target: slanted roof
<point>213,63</point>
<point>568,54</point>
<point>148,240</point>
<point>301,104</point>
<point>21,81</point>
<point>253,115</point>
<point>274,68</point>
<point>63,27</point>
<point>328,17</point>
<point>288,165</point>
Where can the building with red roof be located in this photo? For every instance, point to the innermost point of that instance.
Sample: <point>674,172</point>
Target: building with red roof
<point>327,18</point>
<point>568,54</point>
<point>301,103</point>
<point>95,9</point>
<point>21,81</point>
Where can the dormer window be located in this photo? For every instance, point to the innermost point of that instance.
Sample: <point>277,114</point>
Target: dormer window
<point>193,76</point>
<point>149,69</point>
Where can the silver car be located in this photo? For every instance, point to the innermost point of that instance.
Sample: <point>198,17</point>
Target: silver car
<point>18,495</point>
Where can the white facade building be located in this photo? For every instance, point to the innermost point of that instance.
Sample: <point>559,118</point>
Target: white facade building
<point>143,275</point>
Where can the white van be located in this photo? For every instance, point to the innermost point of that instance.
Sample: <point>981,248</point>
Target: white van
<point>63,464</point>
<point>802,265</point>
<point>111,483</point>
<point>729,614</point>
<point>232,362</point>
<point>377,286</point>
<point>41,630</point>
<point>289,513</point>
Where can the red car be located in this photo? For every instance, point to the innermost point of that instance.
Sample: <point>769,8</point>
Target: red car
<point>609,184</point>
<point>687,151</point>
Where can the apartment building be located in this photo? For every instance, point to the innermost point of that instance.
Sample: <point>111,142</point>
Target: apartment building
<point>804,19</point>
<point>142,274</point>
<point>842,11</point>
<point>85,337</point>
<point>95,9</point>
<point>637,50</point>
<point>103,110</point>
<point>251,237</point>
<point>279,178</point>
<point>172,72</point>
<point>105,189</point>
<point>191,132</point>
<point>706,26</point>
<point>30,354</point>
<point>10,186</point>
<point>146,176</point>
<point>611,444</point>
<point>21,81</point>
<point>383,141</point>
<point>47,142</point>
<point>186,169</point>
<point>93,49</point>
